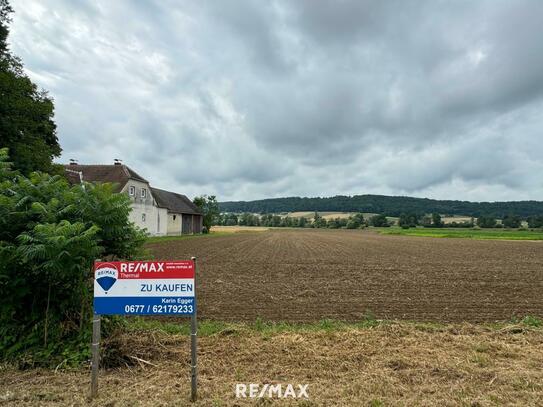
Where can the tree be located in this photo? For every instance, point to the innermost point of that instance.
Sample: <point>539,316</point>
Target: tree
<point>318,221</point>
<point>512,221</point>
<point>333,223</point>
<point>275,221</point>
<point>302,222</point>
<point>379,221</point>
<point>26,112</point>
<point>231,220</point>
<point>486,221</point>
<point>5,11</point>
<point>387,205</point>
<point>436,220</point>
<point>355,221</point>
<point>209,207</point>
<point>408,220</point>
<point>535,221</point>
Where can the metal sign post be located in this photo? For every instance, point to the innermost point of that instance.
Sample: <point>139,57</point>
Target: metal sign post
<point>95,348</point>
<point>144,288</point>
<point>193,337</point>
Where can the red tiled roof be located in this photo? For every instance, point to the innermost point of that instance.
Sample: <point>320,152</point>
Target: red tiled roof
<point>118,174</point>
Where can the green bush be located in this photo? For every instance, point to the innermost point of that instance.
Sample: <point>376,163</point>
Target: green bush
<point>50,234</point>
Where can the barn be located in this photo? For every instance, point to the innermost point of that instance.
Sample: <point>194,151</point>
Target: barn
<point>183,216</point>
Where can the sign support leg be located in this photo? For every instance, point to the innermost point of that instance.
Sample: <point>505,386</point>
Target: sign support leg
<point>95,348</point>
<point>193,337</point>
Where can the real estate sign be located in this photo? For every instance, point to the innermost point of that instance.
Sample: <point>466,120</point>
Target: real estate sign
<point>144,288</point>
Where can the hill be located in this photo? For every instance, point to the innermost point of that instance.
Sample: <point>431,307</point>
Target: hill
<point>388,205</point>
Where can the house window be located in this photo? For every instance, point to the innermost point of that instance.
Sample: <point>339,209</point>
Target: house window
<point>174,217</point>
<point>132,190</point>
<point>143,192</point>
<point>143,217</point>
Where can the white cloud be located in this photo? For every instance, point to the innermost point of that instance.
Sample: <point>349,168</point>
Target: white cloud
<point>251,100</point>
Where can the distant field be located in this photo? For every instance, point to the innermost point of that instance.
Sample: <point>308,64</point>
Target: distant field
<point>495,234</point>
<point>334,215</point>
<point>450,219</point>
<point>325,215</point>
<point>234,229</point>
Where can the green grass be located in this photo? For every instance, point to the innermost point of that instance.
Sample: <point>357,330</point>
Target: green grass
<point>495,234</point>
<point>266,328</point>
<point>209,327</point>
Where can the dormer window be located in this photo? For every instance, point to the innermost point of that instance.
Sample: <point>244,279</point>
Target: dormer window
<point>143,192</point>
<point>132,190</point>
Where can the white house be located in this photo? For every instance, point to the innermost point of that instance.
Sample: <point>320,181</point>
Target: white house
<point>160,212</point>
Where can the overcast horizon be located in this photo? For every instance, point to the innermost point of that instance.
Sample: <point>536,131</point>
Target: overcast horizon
<point>252,100</point>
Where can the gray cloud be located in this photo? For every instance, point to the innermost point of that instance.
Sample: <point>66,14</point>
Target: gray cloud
<point>250,100</point>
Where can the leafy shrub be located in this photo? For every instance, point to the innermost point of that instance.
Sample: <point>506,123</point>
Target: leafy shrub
<point>379,221</point>
<point>50,234</point>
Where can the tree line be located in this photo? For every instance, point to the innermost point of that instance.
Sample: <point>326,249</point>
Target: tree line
<point>387,205</point>
<point>485,221</point>
<point>355,221</point>
<point>358,221</point>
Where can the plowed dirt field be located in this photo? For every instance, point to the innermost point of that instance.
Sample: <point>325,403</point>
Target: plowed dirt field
<point>308,275</point>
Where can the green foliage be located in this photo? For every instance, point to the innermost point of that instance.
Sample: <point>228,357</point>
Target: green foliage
<point>334,223</point>
<point>436,220</point>
<point>535,221</point>
<point>356,221</point>
<point>408,220</point>
<point>318,221</point>
<point>5,11</point>
<point>26,112</point>
<point>486,221</point>
<point>386,205</point>
<point>50,234</point>
<point>210,209</point>
<point>379,221</point>
<point>511,221</point>
<point>249,219</point>
<point>302,222</point>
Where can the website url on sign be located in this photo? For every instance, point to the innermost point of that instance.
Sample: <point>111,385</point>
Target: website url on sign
<point>254,390</point>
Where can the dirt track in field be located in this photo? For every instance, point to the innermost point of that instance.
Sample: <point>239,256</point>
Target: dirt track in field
<point>308,275</point>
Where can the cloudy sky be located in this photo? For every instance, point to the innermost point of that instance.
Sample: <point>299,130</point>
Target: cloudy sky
<point>253,99</point>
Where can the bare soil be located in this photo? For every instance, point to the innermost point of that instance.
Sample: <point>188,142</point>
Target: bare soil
<point>308,275</point>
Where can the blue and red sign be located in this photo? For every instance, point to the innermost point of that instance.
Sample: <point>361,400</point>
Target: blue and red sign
<point>144,288</point>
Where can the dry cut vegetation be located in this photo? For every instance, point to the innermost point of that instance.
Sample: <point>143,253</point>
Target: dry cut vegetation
<point>389,364</point>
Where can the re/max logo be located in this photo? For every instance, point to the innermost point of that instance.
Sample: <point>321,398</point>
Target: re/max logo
<point>254,390</point>
<point>142,267</point>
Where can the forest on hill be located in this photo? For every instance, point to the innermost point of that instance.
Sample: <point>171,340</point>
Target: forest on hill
<point>387,205</point>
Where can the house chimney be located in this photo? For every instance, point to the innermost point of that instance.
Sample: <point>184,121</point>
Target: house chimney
<point>73,162</point>
<point>116,161</point>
